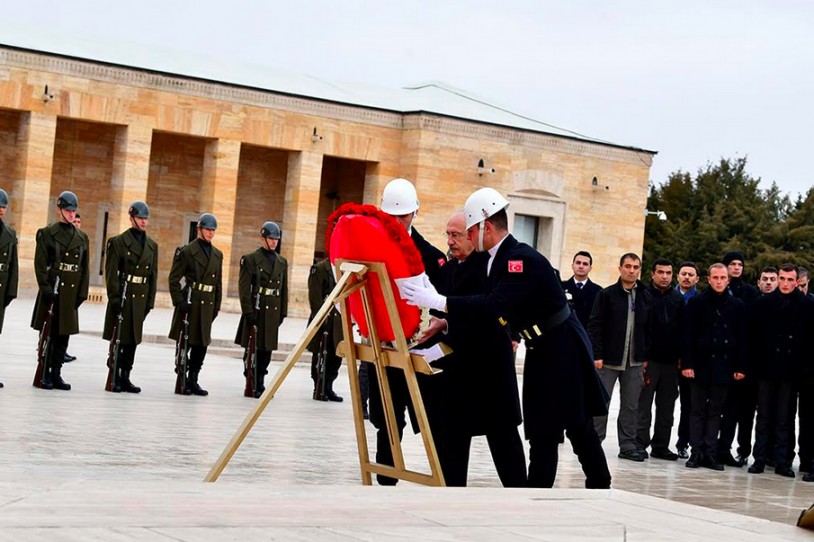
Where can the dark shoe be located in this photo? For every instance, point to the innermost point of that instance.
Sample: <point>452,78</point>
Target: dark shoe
<point>632,455</point>
<point>643,453</point>
<point>1,384</point>
<point>56,379</point>
<point>728,460</point>
<point>69,358</point>
<point>192,385</point>
<point>664,453</point>
<point>126,385</point>
<point>741,460</point>
<point>809,477</point>
<point>693,462</point>
<point>682,453</point>
<point>805,467</point>
<point>784,470</point>
<point>332,396</point>
<point>711,462</point>
<point>770,463</point>
<point>757,467</point>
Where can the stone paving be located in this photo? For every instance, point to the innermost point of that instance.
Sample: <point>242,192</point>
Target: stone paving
<point>117,466</point>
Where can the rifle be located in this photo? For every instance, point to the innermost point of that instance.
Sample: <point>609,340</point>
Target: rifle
<point>181,351</point>
<point>322,356</point>
<point>250,355</point>
<point>44,343</point>
<point>115,342</point>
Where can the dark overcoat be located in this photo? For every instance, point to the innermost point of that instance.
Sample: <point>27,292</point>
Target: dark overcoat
<point>62,250</point>
<point>479,377</point>
<point>716,346</point>
<point>257,269</point>
<point>561,387</point>
<point>780,335</point>
<point>9,272</point>
<point>204,275</point>
<point>127,261</point>
<point>321,282</point>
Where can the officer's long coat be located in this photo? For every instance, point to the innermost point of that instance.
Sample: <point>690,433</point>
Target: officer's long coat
<point>67,247</point>
<point>255,267</point>
<point>321,282</point>
<point>561,388</point>
<point>8,269</point>
<point>127,260</point>
<point>191,264</point>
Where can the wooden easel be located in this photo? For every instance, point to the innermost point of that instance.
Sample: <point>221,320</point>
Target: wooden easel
<point>355,276</point>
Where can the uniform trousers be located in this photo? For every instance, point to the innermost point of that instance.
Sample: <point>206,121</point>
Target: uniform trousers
<point>58,343</point>
<point>663,388</point>
<point>705,416</point>
<point>774,405</point>
<point>739,414</point>
<point>127,356</point>
<point>401,402</point>
<point>630,387</point>
<point>195,357</point>
<point>332,365</point>
<point>544,456</point>
<point>684,397</point>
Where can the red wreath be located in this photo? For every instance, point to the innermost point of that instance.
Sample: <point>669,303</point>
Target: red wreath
<point>364,233</point>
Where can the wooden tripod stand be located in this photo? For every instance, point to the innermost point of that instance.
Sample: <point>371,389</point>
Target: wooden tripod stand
<point>355,276</point>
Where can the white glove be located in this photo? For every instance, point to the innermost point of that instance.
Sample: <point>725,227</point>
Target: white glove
<point>423,296</point>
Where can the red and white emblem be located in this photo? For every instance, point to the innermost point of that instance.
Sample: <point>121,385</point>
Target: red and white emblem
<point>441,262</point>
<point>515,266</point>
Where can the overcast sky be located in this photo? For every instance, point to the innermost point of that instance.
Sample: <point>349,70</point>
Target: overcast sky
<point>695,80</point>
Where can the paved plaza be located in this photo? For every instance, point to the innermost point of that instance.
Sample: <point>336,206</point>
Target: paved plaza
<point>104,466</point>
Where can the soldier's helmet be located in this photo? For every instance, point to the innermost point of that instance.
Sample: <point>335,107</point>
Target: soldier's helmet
<point>139,209</point>
<point>399,198</point>
<point>3,198</point>
<point>208,222</point>
<point>270,230</point>
<point>68,201</point>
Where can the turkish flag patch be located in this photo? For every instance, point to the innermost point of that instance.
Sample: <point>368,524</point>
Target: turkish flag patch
<point>515,266</point>
<point>441,262</point>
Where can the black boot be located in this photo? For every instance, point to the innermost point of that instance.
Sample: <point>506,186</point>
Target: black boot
<point>192,385</point>
<point>45,380</point>
<point>259,385</point>
<point>331,395</point>
<point>56,378</point>
<point>126,385</point>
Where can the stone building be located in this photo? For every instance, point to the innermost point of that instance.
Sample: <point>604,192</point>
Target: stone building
<point>251,146</point>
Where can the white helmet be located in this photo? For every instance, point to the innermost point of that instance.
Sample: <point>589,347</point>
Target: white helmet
<point>482,204</point>
<point>399,198</point>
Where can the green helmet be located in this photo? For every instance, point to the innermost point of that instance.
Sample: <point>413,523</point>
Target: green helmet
<point>68,201</point>
<point>3,198</point>
<point>208,222</point>
<point>270,230</point>
<point>139,209</point>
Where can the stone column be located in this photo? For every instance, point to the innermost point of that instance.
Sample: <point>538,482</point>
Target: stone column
<point>219,194</point>
<point>131,169</point>
<point>32,187</point>
<point>300,224</point>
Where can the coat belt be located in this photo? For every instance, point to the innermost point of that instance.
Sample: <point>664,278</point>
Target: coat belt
<point>69,267</point>
<point>133,279</point>
<point>202,287</point>
<point>270,291</point>
<point>537,330</point>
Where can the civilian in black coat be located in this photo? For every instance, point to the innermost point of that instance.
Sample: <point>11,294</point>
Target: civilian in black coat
<point>476,394</point>
<point>715,357</point>
<point>579,289</point>
<point>561,390</point>
<point>779,326</point>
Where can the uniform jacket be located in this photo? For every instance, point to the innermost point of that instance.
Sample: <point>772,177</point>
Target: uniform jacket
<point>561,387</point>
<point>321,282</point>
<point>609,322</point>
<point>716,337</point>
<point>191,264</point>
<point>62,250</point>
<point>256,266</point>
<point>481,380</point>
<point>9,272</point>
<point>432,258</point>
<point>127,260</point>
<point>743,290</point>
<point>780,335</point>
<point>582,299</point>
<point>666,329</point>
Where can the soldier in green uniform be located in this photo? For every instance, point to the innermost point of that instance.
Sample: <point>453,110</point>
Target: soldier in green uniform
<point>200,264</point>
<point>265,271</point>
<point>132,260</point>
<point>8,261</point>
<point>321,282</point>
<point>62,251</point>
